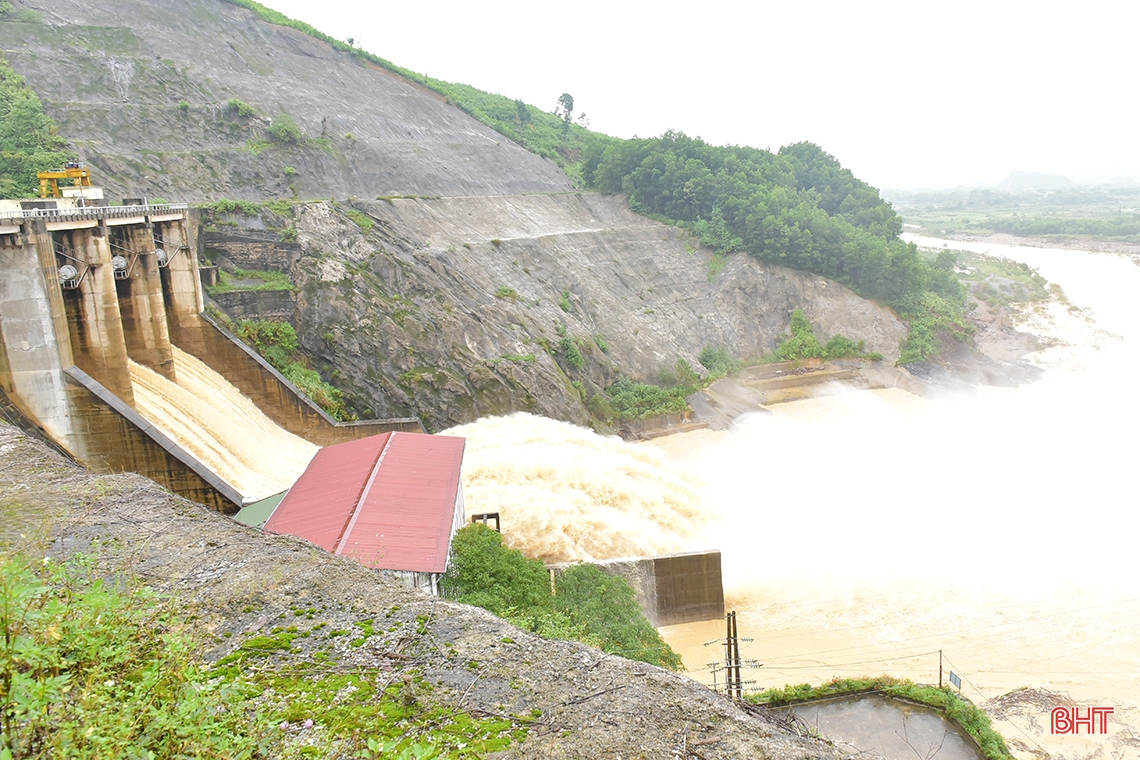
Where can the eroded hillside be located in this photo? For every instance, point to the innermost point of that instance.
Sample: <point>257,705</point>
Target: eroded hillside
<point>140,89</point>
<point>490,286</point>
<point>455,308</point>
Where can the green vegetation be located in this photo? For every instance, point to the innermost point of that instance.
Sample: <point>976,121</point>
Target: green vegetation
<point>362,220</point>
<point>225,206</point>
<point>547,134</point>
<point>802,344</point>
<point>29,140</point>
<point>241,108</point>
<point>588,605</point>
<point>631,401</point>
<point>285,130</point>
<point>718,361</point>
<point>929,315</point>
<point>570,350</point>
<point>1105,211</point>
<point>798,208</point>
<point>86,671</point>
<point>505,293</point>
<point>956,708</point>
<point>564,301</point>
<point>91,669</point>
<point>249,279</point>
<point>277,342</point>
<point>1001,282</point>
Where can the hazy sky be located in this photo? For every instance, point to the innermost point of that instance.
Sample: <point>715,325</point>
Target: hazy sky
<point>905,94</point>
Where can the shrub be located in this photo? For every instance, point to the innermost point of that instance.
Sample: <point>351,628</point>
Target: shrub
<point>564,302</point>
<point>571,352</point>
<point>240,107</point>
<point>717,361</point>
<point>802,344</point>
<point>278,343</point>
<point>362,220</point>
<point>632,400</point>
<point>285,130</point>
<point>588,605</point>
<point>604,605</point>
<point>487,574</point>
<point>184,106</point>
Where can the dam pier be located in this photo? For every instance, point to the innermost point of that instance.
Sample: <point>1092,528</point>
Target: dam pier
<point>94,297</point>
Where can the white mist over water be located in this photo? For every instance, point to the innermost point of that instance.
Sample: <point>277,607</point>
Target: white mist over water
<point>865,531</point>
<point>1018,490</point>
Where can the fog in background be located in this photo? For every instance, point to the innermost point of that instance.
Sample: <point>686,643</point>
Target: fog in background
<point>906,95</point>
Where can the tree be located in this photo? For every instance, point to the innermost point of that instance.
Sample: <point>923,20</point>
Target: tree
<point>566,106</point>
<point>522,112</point>
<point>565,110</point>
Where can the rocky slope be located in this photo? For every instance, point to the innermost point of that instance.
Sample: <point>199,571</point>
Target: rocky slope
<point>139,88</point>
<point>581,702</point>
<point>454,308</point>
<point>451,304</point>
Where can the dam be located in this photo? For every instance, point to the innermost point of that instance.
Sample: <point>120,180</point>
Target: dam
<point>106,351</point>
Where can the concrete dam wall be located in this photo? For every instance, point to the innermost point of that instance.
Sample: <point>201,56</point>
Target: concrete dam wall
<point>100,308</point>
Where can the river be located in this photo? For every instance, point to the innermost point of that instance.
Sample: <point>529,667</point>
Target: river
<point>863,532</point>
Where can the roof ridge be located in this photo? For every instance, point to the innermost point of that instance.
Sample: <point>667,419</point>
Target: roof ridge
<point>363,496</point>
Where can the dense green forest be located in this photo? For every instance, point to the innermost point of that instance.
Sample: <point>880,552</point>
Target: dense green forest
<point>29,142</point>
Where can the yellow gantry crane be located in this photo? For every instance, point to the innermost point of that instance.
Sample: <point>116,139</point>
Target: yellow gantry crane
<point>78,173</point>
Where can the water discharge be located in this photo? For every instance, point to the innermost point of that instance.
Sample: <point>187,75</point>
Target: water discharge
<point>212,419</point>
<point>863,532</point>
<point>566,494</point>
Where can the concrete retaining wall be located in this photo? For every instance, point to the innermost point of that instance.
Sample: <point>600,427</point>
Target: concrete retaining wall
<point>249,250</point>
<point>673,588</point>
<point>280,305</point>
<point>268,388</point>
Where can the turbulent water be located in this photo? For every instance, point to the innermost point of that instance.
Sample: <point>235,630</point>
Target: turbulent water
<point>865,531</point>
<point>224,429</point>
<point>566,494</point>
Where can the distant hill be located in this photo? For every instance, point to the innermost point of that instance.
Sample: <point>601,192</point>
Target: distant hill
<point>1036,181</point>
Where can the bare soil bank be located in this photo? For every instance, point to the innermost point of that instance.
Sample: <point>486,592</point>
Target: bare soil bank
<point>241,583</point>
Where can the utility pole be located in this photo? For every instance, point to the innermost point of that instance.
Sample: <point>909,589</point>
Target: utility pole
<point>939,668</point>
<point>733,662</point>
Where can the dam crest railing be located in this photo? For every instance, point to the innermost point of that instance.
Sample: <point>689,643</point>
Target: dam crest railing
<point>94,212</point>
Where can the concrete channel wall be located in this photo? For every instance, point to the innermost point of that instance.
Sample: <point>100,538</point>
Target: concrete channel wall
<point>65,346</point>
<point>673,588</point>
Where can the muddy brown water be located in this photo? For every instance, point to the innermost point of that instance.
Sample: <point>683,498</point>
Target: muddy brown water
<point>889,728</point>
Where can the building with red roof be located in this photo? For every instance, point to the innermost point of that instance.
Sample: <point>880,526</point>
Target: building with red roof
<point>391,501</point>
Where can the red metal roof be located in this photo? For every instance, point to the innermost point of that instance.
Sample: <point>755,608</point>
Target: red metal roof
<point>389,501</point>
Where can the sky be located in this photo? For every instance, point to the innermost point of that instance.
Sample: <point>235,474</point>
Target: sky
<point>905,94</point>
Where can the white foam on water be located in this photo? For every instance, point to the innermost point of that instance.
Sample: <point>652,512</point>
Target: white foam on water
<point>224,429</point>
